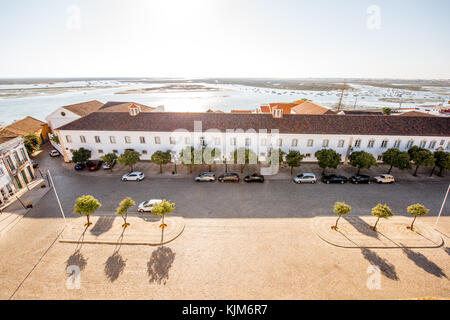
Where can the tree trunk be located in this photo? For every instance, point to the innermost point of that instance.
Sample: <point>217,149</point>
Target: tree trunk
<point>88,221</point>
<point>412,224</point>
<point>175,167</point>
<point>337,222</point>
<point>242,168</point>
<point>209,168</point>
<point>226,167</point>
<point>432,171</point>
<point>441,170</point>
<point>390,169</point>
<point>323,171</point>
<point>292,168</point>
<point>190,169</point>
<point>375,226</point>
<point>131,166</point>
<point>160,168</point>
<point>359,169</point>
<point>415,172</point>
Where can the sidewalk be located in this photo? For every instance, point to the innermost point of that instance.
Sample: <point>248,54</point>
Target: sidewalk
<point>13,211</point>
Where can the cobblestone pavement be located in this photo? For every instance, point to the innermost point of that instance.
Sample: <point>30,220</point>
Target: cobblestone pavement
<point>251,241</point>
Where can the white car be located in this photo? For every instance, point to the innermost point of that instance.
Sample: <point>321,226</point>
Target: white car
<point>384,178</point>
<point>147,206</point>
<point>133,176</point>
<point>54,153</point>
<point>305,178</point>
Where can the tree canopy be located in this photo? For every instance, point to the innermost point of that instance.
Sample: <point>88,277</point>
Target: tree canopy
<point>387,111</point>
<point>161,158</point>
<point>123,207</point>
<point>81,155</point>
<point>32,143</point>
<point>341,209</point>
<point>328,158</point>
<point>244,156</point>
<point>86,205</point>
<point>421,157</point>
<point>362,160</point>
<point>129,158</point>
<point>294,159</point>
<point>163,208</point>
<point>442,160</point>
<point>381,211</point>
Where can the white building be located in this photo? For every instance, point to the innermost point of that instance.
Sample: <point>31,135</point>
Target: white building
<point>16,170</point>
<point>104,132</point>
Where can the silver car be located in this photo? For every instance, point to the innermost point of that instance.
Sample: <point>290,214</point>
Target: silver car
<point>305,178</point>
<point>133,176</point>
<point>147,206</point>
<point>205,176</point>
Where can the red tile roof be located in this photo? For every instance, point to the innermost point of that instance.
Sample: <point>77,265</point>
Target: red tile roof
<point>415,114</point>
<point>241,111</point>
<point>84,108</point>
<point>294,124</point>
<point>113,106</point>
<point>309,107</point>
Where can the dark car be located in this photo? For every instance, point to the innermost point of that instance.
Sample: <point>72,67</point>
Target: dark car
<point>360,179</point>
<point>231,177</point>
<point>79,166</point>
<point>93,165</point>
<point>254,178</point>
<point>334,178</point>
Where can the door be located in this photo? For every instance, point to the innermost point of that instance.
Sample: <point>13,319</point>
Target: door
<point>30,172</point>
<point>19,184</point>
<point>24,176</point>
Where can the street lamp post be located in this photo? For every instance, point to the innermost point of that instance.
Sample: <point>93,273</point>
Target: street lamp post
<point>442,207</point>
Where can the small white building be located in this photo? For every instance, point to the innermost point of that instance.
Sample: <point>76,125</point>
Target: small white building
<point>146,132</point>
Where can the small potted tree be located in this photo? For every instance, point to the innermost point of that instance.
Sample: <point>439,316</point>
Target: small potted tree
<point>161,209</point>
<point>416,210</point>
<point>341,209</point>
<point>381,211</point>
<point>86,205</point>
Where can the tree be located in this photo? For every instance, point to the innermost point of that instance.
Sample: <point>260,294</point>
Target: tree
<point>442,161</point>
<point>31,143</point>
<point>274,152</point>
<point>129,158</point>
<point>416,210</point>
<point>244,156</point>
<point>81,155</point>
<point>110,158</point>
<point>420,157</point>
<point>55,139</point>
<point>362,160</point>
<point>122,209</point>
<point>381,211</point>
<point>86,205</point>
<point>387,111</point>
<point>341,209</point>
<point>328,158</point>
<point>390,157</point>
<point>294,159</point>
<point>160,158</point>
<point>161,209</point>
<point>187,156</point>
<point>209,154</point>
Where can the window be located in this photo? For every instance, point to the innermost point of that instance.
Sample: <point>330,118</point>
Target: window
<point>202,141</point>
<point>370,144</point>
<point>217,141</point>
<point>142,139</point>
<point>127,139</point>
<point>144,151</point>
<point>325,143</point>
<point>397,144</point>
<point>263,142</point>
<point>82,139</point>
<point>294,142</point>
<point>422,144</point>
<point>97,139</point>
<point>187,140</point>
<point>115,151</point>
<point>100,150</point>
<point>357,143</point>
<point>341,144</point>
<point>172,140</point>
<point>280,142</point>
<point>384,143</point>
<point>157,140</point>
<point>233,141</point>
<point>409,144</point>
<point>432,145</point>
<point>69,139</point>
<point>112,139</point>
<point>16,156</point>
<point>308,155</point>
<point>310,142</point>
<point>63,114</point>
<point>23,154</point>
<point>248,141</point>
<point>10,163</point>
<point>379,158</point>
<point>442,142</point>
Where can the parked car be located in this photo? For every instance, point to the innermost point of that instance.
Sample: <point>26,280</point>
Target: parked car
<point>79,166</point>
<point>305,178</point>
<point>93,165</point>
<point>361,178</point>
<point>54,153</point>
<point>384,178</point>
<point>107,165</point>
<point>205,176</point>
<point>231,177</point>
<point>147,206</point>
<point>133,176</point>
<point>254,178</point>
<point>334,178</point>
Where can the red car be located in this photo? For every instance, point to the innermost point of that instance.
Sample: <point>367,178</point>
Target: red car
<point>93,165</point>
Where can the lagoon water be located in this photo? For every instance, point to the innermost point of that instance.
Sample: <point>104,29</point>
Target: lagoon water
<point>227,98</point>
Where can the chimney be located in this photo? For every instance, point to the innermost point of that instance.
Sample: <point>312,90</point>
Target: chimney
<point>134,109</point>
<point>277,113</point>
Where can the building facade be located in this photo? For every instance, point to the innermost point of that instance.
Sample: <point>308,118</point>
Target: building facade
<point>149,132</point>
<point>16,169</point>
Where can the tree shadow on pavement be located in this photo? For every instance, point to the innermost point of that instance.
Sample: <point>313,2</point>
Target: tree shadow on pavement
<point>421,261</point>
<point>387,268</point>
<point>102,225</point>
<point>447,250</point>
<point>159,265</point>
<point>362,226</point>
<point>115,264</point>
<point>77,257</point>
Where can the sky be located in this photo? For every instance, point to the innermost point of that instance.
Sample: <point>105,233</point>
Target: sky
<point>225,38</point>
